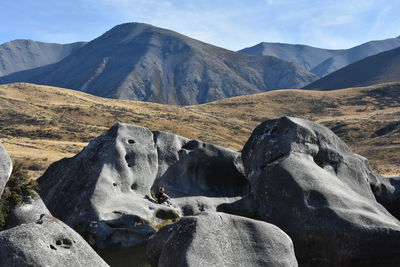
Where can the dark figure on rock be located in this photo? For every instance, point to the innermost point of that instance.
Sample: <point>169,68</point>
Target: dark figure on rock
<point>162,197</point>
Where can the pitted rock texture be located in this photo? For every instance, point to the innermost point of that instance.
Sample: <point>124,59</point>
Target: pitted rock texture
<point>50,243</point>
<point>29,211</point>
<point>219,239</point>
<point>5,168</point>
<point>104,192</point>
<point>310,184</point>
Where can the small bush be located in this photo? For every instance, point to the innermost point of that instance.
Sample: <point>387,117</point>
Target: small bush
<point>18,186</point>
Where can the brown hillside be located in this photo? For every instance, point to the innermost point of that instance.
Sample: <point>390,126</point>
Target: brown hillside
<point>41,124</point>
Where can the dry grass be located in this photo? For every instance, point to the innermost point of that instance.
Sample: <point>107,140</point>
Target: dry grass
<point>41,124</point>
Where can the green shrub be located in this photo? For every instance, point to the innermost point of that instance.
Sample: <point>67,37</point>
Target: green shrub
<point>18,186</point>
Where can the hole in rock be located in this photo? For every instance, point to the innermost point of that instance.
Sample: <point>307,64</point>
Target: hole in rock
<point>52,247</point>
<point>134,186</point>
<point>191,145</point>
<point>67,242</point>
<point>130,141</point>
<point>114,184</point>
<point>318,161</point>
<point>64,243</point>
<point>166,214</point>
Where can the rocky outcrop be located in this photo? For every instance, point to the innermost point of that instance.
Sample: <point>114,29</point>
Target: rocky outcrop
<point>219,239</point>
<point>29,211</point>
<point>105,191</point>
<point>5,168</point>
<point>310,184</point>
<point>49,242</point>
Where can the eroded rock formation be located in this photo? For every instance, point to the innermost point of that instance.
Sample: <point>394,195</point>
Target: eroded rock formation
<point>49,242</point>
<point>309,183</point>
<point>105,191</point>
<point>219,239</point>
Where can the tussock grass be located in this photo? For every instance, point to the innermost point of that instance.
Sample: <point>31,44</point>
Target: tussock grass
<point>42,124</point>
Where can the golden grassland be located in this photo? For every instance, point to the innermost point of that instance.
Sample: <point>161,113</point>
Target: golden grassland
<point>42,124</point>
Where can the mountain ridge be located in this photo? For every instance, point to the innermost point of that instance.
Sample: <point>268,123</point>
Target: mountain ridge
<point>322,61</point>
<point>380,68</point>
<point>138,61</point>
<point>23,54</point>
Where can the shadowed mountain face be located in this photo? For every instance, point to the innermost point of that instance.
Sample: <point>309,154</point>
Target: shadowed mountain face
<point>380,68</point>
<point>21,55</point>
<point>141,62</point>
<point>319,61</point>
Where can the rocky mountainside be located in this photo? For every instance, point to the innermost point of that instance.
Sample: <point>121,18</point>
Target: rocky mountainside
<point>141,62</point>
<point>21,54</point>
<point>380,68</point>
<point>320,61</point>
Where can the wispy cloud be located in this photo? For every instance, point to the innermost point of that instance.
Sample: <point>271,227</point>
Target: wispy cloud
<point>233,24</point>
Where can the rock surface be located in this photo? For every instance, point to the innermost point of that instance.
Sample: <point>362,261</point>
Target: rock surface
<point>51,243</point>
<point>219,239</point>
<point>5,168</point>
<point>104,192</point>
<point>310,184</point>
<point>29,211</point>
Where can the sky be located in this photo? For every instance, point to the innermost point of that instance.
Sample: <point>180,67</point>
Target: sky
<point>232,24</point>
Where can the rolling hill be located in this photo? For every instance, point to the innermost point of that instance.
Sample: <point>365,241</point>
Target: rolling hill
<point>380,68</point>
<point>141,62</point>
<point>22,54</point>
<point>320,61</point>
<point>41,124</point>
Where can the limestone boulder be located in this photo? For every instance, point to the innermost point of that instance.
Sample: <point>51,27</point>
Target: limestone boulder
<point>48,242</point>
<point>309,183</point>
<point>106,191</point>
<point>5,167</point>
<point>220,239</point>
<point>30,210</point>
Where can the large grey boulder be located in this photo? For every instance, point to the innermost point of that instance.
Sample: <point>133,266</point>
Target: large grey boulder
<point>105,191</point>
<point>5,168</point>
<point>310,184</point>
<point>31,209</point>
<point>47,243</point>
<point>219,239</point>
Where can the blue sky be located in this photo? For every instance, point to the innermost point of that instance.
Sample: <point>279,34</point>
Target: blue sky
<point>233,24</point>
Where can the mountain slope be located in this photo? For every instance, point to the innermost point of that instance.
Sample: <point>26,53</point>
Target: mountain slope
<point>141,62</point>
<point>41,124</point>
<point>21,54</point>
<point>319,61</point>
<point>380,68</point>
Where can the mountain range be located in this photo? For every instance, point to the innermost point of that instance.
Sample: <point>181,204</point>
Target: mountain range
<point>138,61</point>
<point>22,54</point>
<point>320,61</point>
<point>381,68</point>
